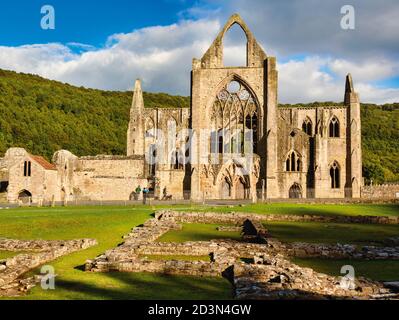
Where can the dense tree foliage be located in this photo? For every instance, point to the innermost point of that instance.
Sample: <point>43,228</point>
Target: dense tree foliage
<point>44,116</point>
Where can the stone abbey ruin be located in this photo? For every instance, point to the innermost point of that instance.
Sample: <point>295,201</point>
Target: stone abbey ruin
<point>233,143</point>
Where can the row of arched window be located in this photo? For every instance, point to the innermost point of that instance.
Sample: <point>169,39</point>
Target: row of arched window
<point>293,163</point>
<point>333,128</point>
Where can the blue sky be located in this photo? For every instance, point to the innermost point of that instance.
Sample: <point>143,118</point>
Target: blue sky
<point>84,21</point>
<point>108,44</point>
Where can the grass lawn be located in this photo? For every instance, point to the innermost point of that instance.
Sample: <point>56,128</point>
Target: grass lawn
<point>314,209</point>
<point>198,232</point>
<point>108,224</point>
<point>9,254</point>
<point>377,270</point>
<point>313,232</point>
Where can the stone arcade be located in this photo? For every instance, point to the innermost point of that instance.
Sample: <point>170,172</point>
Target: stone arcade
<point>312,152</point>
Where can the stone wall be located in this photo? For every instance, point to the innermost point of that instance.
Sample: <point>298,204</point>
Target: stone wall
<point>42,252</point>
<point>270,276</point>
<point>237,218</point>
<point>341,251</point>
<point>380,192</point>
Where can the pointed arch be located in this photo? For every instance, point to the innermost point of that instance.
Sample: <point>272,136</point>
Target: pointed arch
<point>213,58</point>
<point>295,191</point>
<point>235,111</point>
<point>334,128</point>
<point>335,177</point>
<point>307,126</point>
<point>239,57</point>
<point>293,161</point>
<point>226,189</point>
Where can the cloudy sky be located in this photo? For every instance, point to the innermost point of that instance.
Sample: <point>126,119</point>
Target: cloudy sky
<point>108,44</point>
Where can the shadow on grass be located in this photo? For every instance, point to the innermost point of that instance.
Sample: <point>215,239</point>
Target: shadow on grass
<point>313,232</point>
<point>80,267</point>
<point>151,286</point>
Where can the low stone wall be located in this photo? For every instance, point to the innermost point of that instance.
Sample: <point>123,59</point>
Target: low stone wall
<point>380,192</point>
<point>277,278</point>
<point>341,251</point>
<point>229,229</point>
<point>194,268</point>
<point>41,245</point>
<point>238,218</point>
<point>271,276</point>
<point>12,268</point>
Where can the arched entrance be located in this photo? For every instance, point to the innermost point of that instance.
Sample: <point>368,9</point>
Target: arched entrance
<point>241,191</point>
<point>25,196</point>
<point>226,189</point>
<point>295,191</point>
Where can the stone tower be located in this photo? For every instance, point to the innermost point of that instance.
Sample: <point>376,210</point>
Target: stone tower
<point>259,78</point>
<point>135,131</point>
<point>354,146</point>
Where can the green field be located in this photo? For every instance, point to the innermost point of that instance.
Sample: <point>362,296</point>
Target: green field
<point>375,269</point>
<point>198,232</point>
<point>109,224</point>
<point>331,233</point>
<point>8,254</point>
<point>312,209</point>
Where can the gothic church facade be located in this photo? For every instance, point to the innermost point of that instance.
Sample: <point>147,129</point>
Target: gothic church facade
<point>203,153</point>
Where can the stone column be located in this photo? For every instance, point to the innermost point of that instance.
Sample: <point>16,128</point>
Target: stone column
<point>270,94</point>
<point>354,144</point>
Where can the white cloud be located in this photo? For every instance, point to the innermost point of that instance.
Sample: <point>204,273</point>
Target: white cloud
<point>323,79</point>
<point>162,55</point>
<point>368,70</point>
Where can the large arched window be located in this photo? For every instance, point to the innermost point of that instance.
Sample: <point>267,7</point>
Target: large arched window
<point>334,175</point>
<point>293,162</point>
<point>307,126</point>
<point>234,117</point>
<point>334,128</point>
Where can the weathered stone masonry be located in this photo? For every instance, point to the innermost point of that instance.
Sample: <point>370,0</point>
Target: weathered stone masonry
<point>40,252</point>
<point>270,276</point>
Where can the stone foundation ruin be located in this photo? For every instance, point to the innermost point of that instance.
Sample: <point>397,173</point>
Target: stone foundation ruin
<point>267,273</point>
<point>37,253</point>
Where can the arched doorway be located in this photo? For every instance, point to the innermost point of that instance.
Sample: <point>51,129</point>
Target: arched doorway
<point>25,196</point>
<point>295,191</point>
<point>240,190</point>
<point>226,190</point>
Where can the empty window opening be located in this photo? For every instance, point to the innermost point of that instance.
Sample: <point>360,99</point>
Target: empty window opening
<point>27,168</point>
<point>293,162</point>
<point>334,128</point>
<point>334,176</point>
<point>235,47</point>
